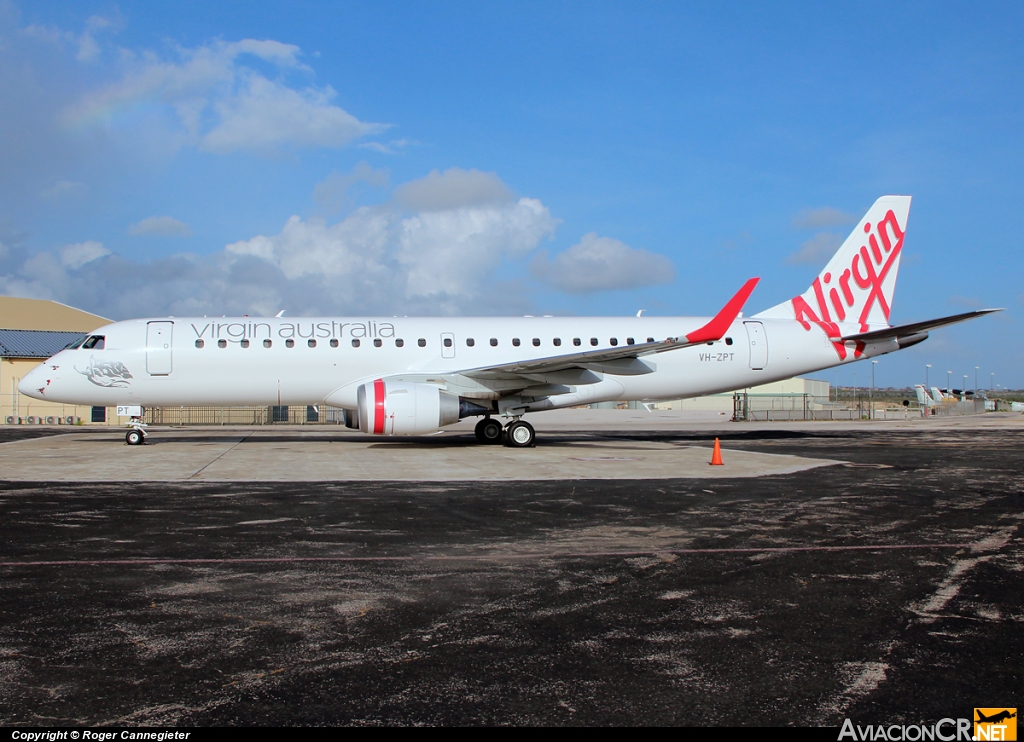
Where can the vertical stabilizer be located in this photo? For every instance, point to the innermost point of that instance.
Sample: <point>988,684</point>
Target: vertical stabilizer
<point>855,289</point>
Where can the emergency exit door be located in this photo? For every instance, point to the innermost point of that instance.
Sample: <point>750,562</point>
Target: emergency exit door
<point>158,348</point>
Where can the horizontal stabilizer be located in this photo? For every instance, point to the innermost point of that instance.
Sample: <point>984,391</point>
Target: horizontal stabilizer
<point>916,328</point>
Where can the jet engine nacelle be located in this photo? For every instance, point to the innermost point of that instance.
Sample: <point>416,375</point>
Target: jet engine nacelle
<point>400,408</point>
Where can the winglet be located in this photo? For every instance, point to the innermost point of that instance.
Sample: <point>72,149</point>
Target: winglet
<point>718,326</point>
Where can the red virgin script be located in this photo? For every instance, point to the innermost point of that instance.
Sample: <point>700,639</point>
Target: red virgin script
<point>868,270</point>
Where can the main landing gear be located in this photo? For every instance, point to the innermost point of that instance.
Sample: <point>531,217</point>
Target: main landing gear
<point>489,431</point>
<point>517,434</point>
<point>520,434</point>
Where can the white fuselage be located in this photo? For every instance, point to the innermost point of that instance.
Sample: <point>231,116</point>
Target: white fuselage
<point>157,362</point>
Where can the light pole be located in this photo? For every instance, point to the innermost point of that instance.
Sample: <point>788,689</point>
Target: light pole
<point>926,367</point>
<point>855,390</point>
<point>992,381</point>
<point>976,380</point>
<point>949,389</point>
<point>871,397</point>
<point>963,392</point>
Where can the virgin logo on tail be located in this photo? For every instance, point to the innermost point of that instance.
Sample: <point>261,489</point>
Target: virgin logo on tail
<point>858,283</point>
<point>868,270</point>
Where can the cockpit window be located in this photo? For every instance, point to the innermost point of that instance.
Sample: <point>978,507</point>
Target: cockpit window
<point>75,345</point>
<point>94,342</point>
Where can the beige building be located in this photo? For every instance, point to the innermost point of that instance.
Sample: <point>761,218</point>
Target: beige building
<point>32,330</point>
<point>792,394</point>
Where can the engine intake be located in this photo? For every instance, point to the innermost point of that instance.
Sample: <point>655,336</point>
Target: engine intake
<point>401,408</point>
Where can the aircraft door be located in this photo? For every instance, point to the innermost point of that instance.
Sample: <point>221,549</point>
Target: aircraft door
<point>758,345</point>
<point>447,345</point>
<point>158,348</point>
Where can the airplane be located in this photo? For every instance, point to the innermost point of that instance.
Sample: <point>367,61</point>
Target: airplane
<point>995,718</point>
<point>411,376</point>
<point>925,399</point>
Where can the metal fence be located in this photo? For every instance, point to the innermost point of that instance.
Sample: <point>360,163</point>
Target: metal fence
<point>963,407</point>
<point>770,407</point>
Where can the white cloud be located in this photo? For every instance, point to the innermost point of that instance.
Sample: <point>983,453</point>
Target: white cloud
<point>88,47</point>
<point>452,189</point>
<point>62,188</point>
<point>77,255</point>
<point>453,252</point>
<point>332,192</point>
<point>379,260</point>
<point>822,218</point>
<point>816,250</point>
<point>600,264</point>
<point>390,148</point>
<point>163,226</point>
<point>375,256</point>
<point>223,105</point>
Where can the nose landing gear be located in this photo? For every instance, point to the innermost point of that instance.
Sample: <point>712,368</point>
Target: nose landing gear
<point>136,435</point>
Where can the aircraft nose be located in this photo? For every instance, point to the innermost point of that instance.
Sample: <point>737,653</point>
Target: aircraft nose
<point>33,382</point>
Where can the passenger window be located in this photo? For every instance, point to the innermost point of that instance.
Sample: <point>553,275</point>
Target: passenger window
<point>289,343</point>
<point>268,343</point>
<point>629,341</point>
<point>515,342</point>
<point>728,341</point>
<point>557,341</point>
<point>422,343</point>
<point>447,342</point>
<point>494,342</point>
<point>577,341</point>
<point>470,342</point>
<point>355,342</point>
<point>200,343</point>
<point>334,342</point>
<point>593,341</point>
<point>244,343</point>
<point>536,342</point>
<point>650,340</point>
<point>222,343</point>
<point>399,342</point>
<point>613,341</point>
<point>377,342</point>
<point>311,343</point>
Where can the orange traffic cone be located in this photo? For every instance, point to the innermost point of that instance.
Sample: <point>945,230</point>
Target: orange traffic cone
<point>716,456</point>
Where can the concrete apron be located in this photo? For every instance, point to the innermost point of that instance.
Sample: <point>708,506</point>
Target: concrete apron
<point>289,455</point>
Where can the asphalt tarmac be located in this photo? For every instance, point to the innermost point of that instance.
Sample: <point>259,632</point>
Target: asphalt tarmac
<point>887,588</point>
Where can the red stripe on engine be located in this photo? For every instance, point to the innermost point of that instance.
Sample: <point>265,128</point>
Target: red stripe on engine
<point>378,405</point>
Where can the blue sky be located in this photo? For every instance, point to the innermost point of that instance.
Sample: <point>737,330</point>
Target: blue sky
<point>512,158</point>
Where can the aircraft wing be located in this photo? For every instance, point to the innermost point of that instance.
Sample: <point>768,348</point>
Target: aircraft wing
<point>623,360</point>
<point>916,328</point>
